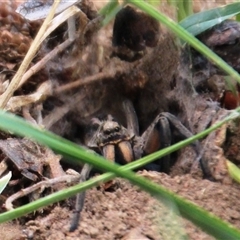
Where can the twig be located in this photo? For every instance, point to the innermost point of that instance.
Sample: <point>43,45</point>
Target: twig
<point>59,112</point>
<point>69,13</point>
<point>42,185</point>
<point>80,199</point>
<point>106,74</point>
<point>16,102</point>
<point>87,80</point>
<point>42,63</point>
<point>28,58</point>
<point>27,115</point>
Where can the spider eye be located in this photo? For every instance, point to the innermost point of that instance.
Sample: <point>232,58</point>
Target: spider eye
<point>117,129</point>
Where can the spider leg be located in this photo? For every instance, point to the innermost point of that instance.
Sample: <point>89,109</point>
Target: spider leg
<point>80,199</point>
<point>131,117</point>
<point>184,133</point>
<point>133,128</point>
<point>158,135</point>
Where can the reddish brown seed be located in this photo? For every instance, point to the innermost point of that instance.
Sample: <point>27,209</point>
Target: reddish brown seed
<point>229,100</point>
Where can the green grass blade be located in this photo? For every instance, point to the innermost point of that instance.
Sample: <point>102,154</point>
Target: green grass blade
<point>109,11</point>
<point>237,17</point>
<point>200,22</point>
<point>208,222</point>
<point>10,122</point>
<point>200,217</point>
<point>109,7</point>
<point>233,171</point>
<point>186,36</point>
<point>184,9</point>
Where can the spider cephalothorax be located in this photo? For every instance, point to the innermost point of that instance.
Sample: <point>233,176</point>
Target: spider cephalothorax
<point>113,140</point>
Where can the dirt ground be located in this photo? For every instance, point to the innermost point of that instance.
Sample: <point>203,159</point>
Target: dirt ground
<point>125,212</point>
<point>128,214</point>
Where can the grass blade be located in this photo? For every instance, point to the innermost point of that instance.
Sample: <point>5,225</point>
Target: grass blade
<point>233,171</point>
<point>200,22</point>
<point>197,215</point>
<point>186,36</point>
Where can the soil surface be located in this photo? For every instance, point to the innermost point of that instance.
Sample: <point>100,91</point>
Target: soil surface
<point>128,213</point>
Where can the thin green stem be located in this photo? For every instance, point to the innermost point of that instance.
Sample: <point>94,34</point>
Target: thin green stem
<point>202,218</point>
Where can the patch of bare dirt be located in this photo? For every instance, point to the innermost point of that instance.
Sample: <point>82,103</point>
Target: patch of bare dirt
<point>128,213</point>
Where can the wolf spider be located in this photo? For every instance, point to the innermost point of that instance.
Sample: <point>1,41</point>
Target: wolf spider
<point>123,145</point>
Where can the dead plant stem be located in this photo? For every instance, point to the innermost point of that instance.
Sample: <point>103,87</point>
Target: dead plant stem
<point>28,58</point>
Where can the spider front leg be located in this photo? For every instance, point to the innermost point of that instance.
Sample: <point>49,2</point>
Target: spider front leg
<point>159,135</point>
